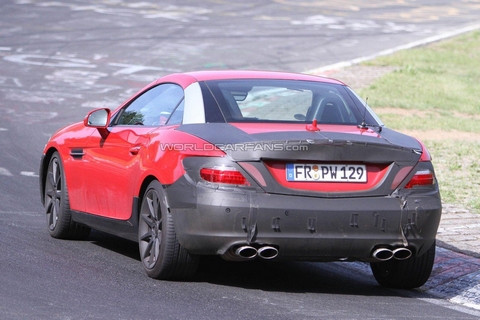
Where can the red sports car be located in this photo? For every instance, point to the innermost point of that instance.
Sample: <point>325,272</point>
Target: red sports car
<point>245,165</point>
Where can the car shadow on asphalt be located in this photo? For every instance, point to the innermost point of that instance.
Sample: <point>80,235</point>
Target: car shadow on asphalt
<point>280,276</point>
<point>290,276</point>
<point>113,243</point>
<point>283,276</point>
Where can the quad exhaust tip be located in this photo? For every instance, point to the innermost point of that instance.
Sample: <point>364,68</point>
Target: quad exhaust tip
<point>384,254</point>
<point>402,253</point>
<point>249,252</point>
<point>267,252</point>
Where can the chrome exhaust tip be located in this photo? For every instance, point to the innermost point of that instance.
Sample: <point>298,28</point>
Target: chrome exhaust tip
<point>383,254</point>
<point>402,253</point>
<point>267,252</point>
<point>246,252</point>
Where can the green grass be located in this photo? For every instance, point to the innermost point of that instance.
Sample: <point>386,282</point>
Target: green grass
<point>435,92</point>
<point>458,171</point>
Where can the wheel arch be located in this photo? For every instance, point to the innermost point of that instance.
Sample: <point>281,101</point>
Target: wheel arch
<point>141,192</point>
<point>46,157</point>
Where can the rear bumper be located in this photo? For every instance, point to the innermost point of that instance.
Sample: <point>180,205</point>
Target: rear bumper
<point>211,221</point>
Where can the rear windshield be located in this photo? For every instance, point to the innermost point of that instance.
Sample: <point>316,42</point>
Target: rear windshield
<point>284,101</point>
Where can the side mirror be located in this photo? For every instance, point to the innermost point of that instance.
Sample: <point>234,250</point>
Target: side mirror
<point>99,118</point>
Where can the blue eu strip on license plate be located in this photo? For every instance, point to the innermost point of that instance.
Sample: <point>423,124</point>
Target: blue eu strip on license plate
<point>326,172</point>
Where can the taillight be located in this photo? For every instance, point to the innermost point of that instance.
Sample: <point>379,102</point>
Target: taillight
<point>425,153</point>
<point>421,178</point>
<point>221,174</point>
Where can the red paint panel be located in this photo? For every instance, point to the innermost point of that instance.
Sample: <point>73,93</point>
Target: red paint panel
<point>111,170</point>
<point>119,172</point>
<point>169,147</point>
<point>245,74</point>
<point>109,174</point>
<point>75,137</point>
<point>425,153</point>
<point>252,128</point>
<point>185,79</point>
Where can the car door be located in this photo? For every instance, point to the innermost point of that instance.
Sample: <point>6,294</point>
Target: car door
<point>114,164</point>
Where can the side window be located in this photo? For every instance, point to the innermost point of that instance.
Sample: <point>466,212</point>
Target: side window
<point>154,107</point>
<point>177,116</point>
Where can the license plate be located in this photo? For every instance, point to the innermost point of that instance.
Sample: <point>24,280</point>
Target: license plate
<point>326,172</point>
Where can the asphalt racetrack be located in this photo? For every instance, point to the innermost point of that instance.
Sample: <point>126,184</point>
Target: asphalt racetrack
<point>61,59</point>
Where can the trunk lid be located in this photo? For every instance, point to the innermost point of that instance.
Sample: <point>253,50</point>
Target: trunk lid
<point>337,161</point>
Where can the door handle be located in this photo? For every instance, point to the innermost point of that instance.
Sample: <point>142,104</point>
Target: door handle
<point>135,150</point>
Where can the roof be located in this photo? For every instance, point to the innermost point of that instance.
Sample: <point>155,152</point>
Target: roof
<point>188,78</point>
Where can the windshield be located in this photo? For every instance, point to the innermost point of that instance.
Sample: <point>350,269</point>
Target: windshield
<point>285,101</point>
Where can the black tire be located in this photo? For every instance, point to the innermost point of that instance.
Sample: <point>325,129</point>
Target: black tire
<point>57,205</point>
<point>405,274</point>
<point>162,255</point>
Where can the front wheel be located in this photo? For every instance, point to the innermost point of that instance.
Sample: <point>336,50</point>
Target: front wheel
<point>161,254</point>
<point>405,274</point>
<point>57,206</point>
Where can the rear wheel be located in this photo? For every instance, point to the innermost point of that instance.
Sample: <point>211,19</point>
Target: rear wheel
<point>57,205</point>
<point>405,274</point>
<point>161,254</point>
